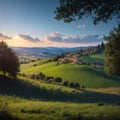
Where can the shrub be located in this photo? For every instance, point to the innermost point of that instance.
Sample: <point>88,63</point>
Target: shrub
<point>101,104</point>
<point>72,85</point>
<point>47,78</point>
<point>83,86</point>
<point>33,76</point>
<point>65,83</point>
<point>58,79</point>
<point>35,65</point>
<point>41,76</point>
<point>77,85</point>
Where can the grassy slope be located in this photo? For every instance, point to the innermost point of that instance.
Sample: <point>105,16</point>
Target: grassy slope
<point>55,102</point>
<point>83,74</point>
<point>94,58</point>
<point>51,110</point>
<point>58,102</point>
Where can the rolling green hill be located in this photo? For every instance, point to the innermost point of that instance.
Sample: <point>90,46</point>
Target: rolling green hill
<point>84,74</point>
<point>99,58</point>
<point>25,98</point>
<point>29,99</point>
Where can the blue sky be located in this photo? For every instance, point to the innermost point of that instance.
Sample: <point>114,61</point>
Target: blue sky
<point>31,23</point>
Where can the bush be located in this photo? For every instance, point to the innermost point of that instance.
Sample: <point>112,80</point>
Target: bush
<point>72,85</point>
<point>65,83</point>
<point>41,76</point>
<point>101,104</point>
<point>47,78</point>
<point>33,76</point>
<point>77,85</point>
<point>83,86</point>
<point>58,79</point>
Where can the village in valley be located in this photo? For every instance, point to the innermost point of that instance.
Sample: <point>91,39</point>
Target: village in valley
<point>77,57</point>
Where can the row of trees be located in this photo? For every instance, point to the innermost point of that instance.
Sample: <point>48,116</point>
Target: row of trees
<point>51,79</point>
<point>9,62</point>
<point>42,76</point>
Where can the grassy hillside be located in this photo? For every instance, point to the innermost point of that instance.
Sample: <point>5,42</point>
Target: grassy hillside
<point>29,99</point>
<point>36,110</point>
<point>99,58</point>
<point>25,98</point>
<point>84,74</point>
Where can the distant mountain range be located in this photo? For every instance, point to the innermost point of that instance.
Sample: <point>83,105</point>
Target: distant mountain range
<point>26,54</point>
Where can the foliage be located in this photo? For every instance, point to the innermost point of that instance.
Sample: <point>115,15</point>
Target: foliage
<point>65,83</point>
<point>99,10</point>
<point>75,85</point>
<point>58,79</point>
<point>112,52</point>
<point>9,62</point>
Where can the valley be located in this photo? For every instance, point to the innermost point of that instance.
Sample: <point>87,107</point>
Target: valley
<point>34,98</point>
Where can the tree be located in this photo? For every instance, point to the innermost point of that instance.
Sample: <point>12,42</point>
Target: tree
<point>99,10</point>
<point>58,79</point>
<point>41,76</point>
<point>112,52</point>
<point>65,83</point>
<point>9,62</point>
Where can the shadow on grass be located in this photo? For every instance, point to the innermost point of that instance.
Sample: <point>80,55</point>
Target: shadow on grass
<point>28,91</point>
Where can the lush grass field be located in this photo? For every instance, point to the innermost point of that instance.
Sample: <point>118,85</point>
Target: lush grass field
<point>30,99</point>
<point>99,58</point>
<point>38,110</point>
<point>85,75</point>
<point>35,99</point>
<point>64,111</point>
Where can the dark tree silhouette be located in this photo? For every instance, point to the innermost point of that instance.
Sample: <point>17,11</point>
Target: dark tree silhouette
<point>99,10</point>
<point>9,62</point>
<point>112,52</point>
<point>58,79</point>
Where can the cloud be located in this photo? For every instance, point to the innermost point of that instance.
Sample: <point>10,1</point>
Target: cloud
<point>4,37</point>
<point>81,26</point>
<point>81,39</point>
<point>29,38</point>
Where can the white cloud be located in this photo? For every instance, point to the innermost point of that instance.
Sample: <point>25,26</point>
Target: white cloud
<point>29,38</point>
<point>55,39</point>
<point>81,39</point>
<point>81,26</point>
<point>4,37</point>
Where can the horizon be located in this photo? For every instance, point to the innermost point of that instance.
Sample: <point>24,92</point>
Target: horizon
<point>29,23</point>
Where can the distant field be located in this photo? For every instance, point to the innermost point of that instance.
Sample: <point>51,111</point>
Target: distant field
<point>90,77</point>
<point>99,58</point>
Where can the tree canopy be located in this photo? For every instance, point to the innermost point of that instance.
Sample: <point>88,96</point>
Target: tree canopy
<point>99,10</point>
<point>9,62</point>
<point>112,52</point>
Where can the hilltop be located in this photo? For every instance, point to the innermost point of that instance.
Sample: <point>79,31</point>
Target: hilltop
<point>28,54</point>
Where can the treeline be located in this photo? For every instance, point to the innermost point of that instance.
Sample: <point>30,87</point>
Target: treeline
<point>58,80</point>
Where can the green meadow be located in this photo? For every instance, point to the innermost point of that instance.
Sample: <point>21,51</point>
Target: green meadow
<point>84,74</point>
<point>25,98</point>
<point>99,58</point>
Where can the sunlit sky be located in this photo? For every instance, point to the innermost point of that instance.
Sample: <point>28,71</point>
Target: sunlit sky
<point>31,23</point>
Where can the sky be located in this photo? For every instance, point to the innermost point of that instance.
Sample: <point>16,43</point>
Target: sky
<point>31,23</point>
